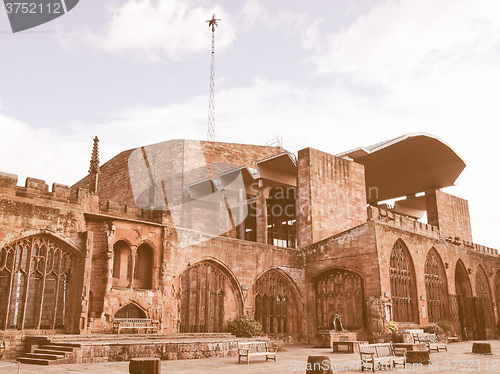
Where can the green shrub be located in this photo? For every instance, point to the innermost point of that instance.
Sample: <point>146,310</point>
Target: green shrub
<point>433,328</point>
<point>446,327</point>
<point>244,326</point>
<point>397,337</point>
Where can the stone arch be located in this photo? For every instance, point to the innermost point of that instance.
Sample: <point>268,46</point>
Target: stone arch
<point>340,291</point>
<point>465,313</point>
<point>277,304</point>
<point>144,266</point>
<point>403,284</point>
<point>209,297</point>
<point>436,287</point>
<point>131,310</point>
<point>35,279</point>
<point>484,305</point>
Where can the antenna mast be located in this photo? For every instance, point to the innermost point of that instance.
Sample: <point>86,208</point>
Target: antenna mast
<point>211,101</point>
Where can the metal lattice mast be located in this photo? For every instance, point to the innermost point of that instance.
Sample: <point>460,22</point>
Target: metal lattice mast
<point>211,101</point>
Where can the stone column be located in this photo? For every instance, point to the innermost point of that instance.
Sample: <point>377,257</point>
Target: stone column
<point>133,250</point>
<point>110,236</point>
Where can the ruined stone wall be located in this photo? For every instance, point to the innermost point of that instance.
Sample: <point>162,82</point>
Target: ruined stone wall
<point>419,238</point>
<point>246,261</point>
<point>331,196</point>
<point>354,250</point>
<point>366,250</point>
<point>35,210</point>
<point>450,214</point>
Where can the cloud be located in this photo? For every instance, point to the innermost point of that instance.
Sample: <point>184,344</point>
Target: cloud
<point>397,38</point>
<point>38,153</point>
<point>152,30</point>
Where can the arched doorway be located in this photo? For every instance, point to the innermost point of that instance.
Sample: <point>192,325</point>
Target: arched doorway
<point>463,289</point>
<point>143,271</point>
<point>121,263</point>
<point>341,292</point>
<point>34,283</point>
<point>403,285</point>
<point>209,298</point>
<point>436,287</point>
<point>484,306</point>
<point>130,310</point>
<point>276,304</point>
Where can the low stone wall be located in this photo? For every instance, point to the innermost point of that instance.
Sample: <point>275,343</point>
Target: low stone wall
<point>15,343</point>
<point>120,351</point>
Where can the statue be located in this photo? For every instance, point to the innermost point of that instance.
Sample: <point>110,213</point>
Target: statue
<point>337,323</point>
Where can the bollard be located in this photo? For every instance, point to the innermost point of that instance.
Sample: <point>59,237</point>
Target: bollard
<point>145,365</point>
<point>484,348</point>
<point>318,365</point>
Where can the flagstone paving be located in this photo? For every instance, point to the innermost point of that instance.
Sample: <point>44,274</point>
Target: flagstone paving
<point>458,359</point>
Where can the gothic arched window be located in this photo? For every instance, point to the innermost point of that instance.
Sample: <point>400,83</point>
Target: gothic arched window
<point>403,289</point>
<point>276,304</point>
<point>436,287</point>
<point>208,298</point>
<point>34,284</point>
<point>340,292</point>
<point>484,306</point>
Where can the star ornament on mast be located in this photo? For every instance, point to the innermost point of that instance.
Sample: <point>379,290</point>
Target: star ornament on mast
<point>213,22</point>
<point>211,101</point>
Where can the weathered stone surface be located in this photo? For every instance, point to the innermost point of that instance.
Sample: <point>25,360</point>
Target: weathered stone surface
<point>484,348</point>
<point>145,365</point>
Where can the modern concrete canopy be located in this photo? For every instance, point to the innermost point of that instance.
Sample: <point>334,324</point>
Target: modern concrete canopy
<point>407,165</point>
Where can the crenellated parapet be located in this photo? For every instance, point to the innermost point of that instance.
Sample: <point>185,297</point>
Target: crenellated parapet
<point>486,250</point>
<point>401,222</point>
<point>405,223</point>
<point>38,189</point>
<point>126,211</point>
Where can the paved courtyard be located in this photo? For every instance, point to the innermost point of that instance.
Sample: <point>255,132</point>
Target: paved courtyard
<point>458,359</point>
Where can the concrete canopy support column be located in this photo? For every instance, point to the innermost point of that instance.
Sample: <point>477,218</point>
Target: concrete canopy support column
<point>261,213</point>
<point>241,213</point>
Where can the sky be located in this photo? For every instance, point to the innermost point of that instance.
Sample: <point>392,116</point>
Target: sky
<point>329,74</point>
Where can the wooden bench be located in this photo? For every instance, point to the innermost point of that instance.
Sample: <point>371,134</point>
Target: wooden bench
<point>256,348</point>
<point>134,324</point>
<point>381,354</point>
<point>433,343</point>
<point>453,339</point>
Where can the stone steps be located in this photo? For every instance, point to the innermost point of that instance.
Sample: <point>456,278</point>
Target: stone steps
<point>50,354</point>
<point>35,361</point>
<point>67,349</point>
<point>43,356</point>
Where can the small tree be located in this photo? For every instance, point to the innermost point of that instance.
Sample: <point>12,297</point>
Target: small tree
<point>244,326</point>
